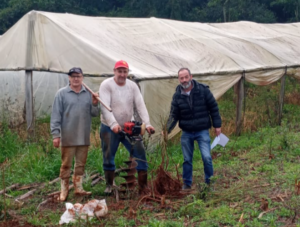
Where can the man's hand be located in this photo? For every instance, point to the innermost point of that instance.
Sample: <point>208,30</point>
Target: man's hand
<point>217,131</point>
<point>94,99</point>
<point>150,130</point>
<point>117,129</point>
<point>56,142</point>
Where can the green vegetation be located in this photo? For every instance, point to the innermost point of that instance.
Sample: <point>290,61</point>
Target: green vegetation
<point>263,11</point>
<point>254,182</point>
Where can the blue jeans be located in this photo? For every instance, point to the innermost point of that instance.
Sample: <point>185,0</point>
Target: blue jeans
<point>110,143</point>
<point>187,145</point>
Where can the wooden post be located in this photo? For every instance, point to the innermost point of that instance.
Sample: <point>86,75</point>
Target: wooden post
<point>281,98</point>
<point>239,106</point>
<point>29,103</point>
<point>28,74</point>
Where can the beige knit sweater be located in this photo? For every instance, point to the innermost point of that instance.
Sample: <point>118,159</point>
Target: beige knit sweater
<point>121,99</point>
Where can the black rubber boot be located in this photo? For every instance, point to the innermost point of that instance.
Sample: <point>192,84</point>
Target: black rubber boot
<point>142,181</point>
<point>109,178</point>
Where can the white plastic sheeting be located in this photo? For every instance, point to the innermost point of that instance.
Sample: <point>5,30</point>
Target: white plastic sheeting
<point>158,94</point>
<point>45,86</point>
<point>266,77</point>
<point>154,48</point>
<point>217,54</point>
<point>12,93</point>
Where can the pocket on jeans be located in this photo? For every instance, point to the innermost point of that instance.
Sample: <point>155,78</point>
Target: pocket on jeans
<point>205,136</point>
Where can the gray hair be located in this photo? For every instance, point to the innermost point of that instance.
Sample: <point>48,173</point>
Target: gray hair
<point>181,69</point>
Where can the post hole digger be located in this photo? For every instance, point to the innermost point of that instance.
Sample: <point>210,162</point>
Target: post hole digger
<point>132,131</point>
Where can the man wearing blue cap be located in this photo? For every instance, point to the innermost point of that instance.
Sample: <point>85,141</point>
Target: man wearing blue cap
<point>72,111</point>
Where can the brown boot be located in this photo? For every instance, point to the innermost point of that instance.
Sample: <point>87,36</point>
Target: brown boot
<point>64,190</point>
<point>109,178</point>
<point>77,181</point>
<point>142,181</point>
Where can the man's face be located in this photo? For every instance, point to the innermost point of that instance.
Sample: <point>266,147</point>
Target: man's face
<point>121,75</point>
<point>185,79</point>
<point>76,79</point>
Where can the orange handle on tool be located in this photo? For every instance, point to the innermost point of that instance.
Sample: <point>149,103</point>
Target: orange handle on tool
<point>94,94</point>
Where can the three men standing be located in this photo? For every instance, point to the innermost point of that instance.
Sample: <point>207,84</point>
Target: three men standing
<point>70,125</point>
<point>193,105</point>
<point>196,109</point>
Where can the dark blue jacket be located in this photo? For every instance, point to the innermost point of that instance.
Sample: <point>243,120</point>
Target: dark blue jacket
<point>195,112</point>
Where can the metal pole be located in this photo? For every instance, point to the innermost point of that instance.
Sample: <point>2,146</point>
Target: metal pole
<point>281,97</point>
<point>29,103</point>
<point>28,75</point>
<point>239,106</point>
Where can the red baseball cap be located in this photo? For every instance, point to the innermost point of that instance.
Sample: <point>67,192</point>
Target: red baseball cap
<point>121,64</point>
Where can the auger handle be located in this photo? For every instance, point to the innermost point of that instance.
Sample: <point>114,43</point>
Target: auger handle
<point>152,131</point>
<point>94,94</point>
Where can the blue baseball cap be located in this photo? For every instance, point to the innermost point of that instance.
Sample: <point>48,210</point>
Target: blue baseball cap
<point>75,70</point>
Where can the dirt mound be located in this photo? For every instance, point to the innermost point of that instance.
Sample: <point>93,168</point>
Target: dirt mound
<point>14,223</point>
<point>166,184</point>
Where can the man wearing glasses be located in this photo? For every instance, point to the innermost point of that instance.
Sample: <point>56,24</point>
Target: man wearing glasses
<point>70,125</point>
<point>122,95</point>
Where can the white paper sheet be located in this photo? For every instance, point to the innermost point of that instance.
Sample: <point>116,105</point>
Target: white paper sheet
<point>215,142</point>
<point>221,140</point>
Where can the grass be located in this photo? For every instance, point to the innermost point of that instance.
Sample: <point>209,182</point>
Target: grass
<point>260,165</point>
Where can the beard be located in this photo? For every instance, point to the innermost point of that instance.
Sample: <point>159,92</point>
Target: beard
<point>186,85</point>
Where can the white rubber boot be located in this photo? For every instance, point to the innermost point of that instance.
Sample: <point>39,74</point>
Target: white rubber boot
<point>77,181</point>
<point>64,190</point>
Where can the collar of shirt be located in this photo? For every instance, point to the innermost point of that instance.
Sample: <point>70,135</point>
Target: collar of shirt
<point>70,90</point>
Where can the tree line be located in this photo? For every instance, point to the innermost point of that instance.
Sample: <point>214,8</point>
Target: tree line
<point>261,11</point>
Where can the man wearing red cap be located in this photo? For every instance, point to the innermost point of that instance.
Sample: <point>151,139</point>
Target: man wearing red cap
<point>122,95</point>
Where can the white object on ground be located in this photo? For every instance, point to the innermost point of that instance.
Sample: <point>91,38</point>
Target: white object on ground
<point>97,207</point>
<point>221,140</point>
<point>69,214</point>
<point>88,210</point>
